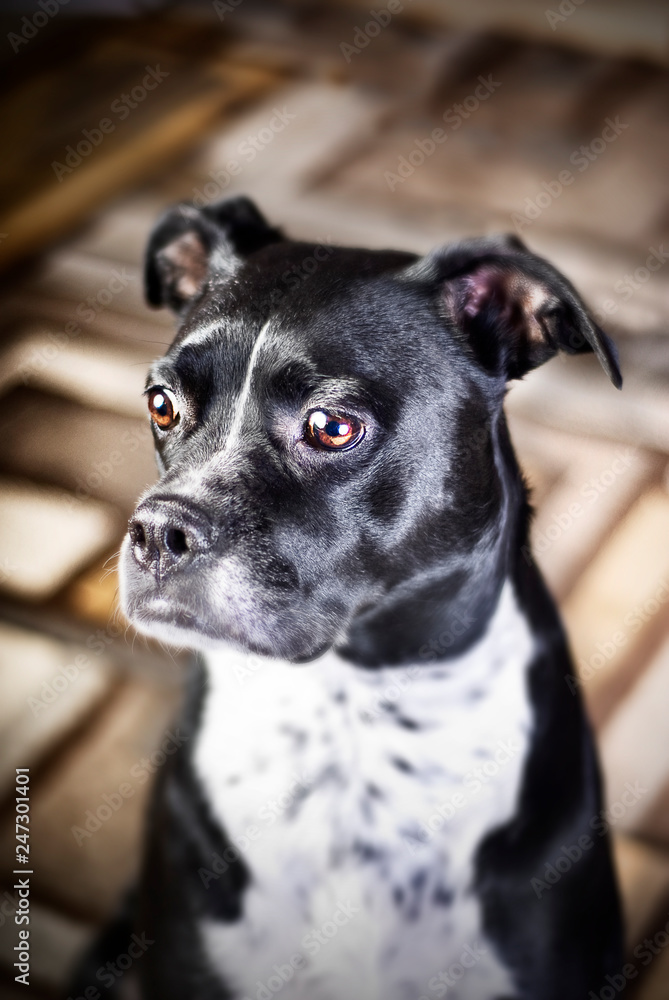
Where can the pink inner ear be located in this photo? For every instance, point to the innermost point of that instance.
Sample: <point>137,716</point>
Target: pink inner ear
<point>479,289</point>
<point>188,258</point>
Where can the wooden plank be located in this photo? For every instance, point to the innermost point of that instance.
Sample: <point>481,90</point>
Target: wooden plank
<point>93,595</point>
<point>120,233</point>
<point>603,26</point>
<point>643,874</point>
<point>616,609</point>
<point>88,810</point>
<point>90,284</point>
<point>600,483</point>
<point>103,374</point>
<point>632,762</point>
<point>151,329</point>
<point>489,155</point>
<point>655,822</point>
<point>542,459</point>
<point>55,210</point>
<point>572,393</point>
<point>654,985</point>
<point>47,535</point>
<point>90,453</point>
<point>327,122</point>
<point>46,689</point>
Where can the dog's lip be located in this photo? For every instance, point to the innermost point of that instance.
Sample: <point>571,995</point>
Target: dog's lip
<point>160,609</point>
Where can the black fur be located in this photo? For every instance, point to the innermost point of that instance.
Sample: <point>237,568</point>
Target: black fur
<point>395,551</point>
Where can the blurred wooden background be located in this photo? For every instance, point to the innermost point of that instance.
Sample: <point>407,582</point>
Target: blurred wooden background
<point>82,702</point>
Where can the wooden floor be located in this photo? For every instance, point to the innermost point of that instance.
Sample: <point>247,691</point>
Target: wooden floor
<point>84,703</point>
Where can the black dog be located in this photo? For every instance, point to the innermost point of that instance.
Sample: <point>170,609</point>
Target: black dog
<point>338,486</point>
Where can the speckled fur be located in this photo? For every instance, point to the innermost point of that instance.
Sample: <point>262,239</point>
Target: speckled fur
<point>324,773</point>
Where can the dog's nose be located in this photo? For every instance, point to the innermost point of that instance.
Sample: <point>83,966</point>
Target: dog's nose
<point>168,533</point>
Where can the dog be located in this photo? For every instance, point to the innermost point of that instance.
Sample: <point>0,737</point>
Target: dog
<point>386,750</point>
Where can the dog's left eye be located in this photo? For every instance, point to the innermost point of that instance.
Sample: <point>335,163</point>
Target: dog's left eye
<point>333,431</point>
<point>163,407</point>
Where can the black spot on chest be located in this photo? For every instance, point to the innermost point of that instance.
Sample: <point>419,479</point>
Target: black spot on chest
<point>407,723</point>
<point>403,765</point>
<point>298,736</point>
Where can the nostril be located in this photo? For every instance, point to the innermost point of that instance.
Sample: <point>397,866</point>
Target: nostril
<point>176,541</point>
<point>137,534</point>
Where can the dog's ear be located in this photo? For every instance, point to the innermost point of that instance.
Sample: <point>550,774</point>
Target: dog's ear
<point>514,309</point>
<point>186,240</point>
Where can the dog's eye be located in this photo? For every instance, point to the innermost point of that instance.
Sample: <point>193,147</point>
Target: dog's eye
<point>333,431</point>
<point>163,407</point>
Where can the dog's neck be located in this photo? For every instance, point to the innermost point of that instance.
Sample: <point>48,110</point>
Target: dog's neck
<point>441,615</point>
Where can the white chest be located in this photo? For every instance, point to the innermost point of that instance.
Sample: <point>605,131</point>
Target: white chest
<point>358,799</point>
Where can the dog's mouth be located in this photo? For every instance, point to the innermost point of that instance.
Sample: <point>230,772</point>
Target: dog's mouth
<point>165,619</point>
<point>221,605</point>
<point>160,610</point>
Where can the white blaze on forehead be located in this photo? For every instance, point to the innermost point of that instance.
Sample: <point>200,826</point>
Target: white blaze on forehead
<point>193,477</point>
<point>242,399</point>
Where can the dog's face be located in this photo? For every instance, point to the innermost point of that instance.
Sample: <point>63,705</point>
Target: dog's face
<point>325,424</point>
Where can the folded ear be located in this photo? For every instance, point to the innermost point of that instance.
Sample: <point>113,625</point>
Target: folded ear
<point>514,309</point>
<point>187,240</point>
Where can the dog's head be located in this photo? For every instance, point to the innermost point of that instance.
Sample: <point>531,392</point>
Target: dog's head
<point>325,424</point>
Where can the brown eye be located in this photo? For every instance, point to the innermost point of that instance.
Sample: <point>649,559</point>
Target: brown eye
<point>333,431</point>
<point>163,408</point>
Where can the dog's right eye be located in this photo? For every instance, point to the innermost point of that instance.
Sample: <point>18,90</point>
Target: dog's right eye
<point>163,407</point>
<point>333,432</point>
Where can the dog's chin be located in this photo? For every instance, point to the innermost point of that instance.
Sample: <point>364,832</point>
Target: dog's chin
<point>168,622</point>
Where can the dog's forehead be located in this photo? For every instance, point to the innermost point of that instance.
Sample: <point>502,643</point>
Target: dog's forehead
<point>350,314</point>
